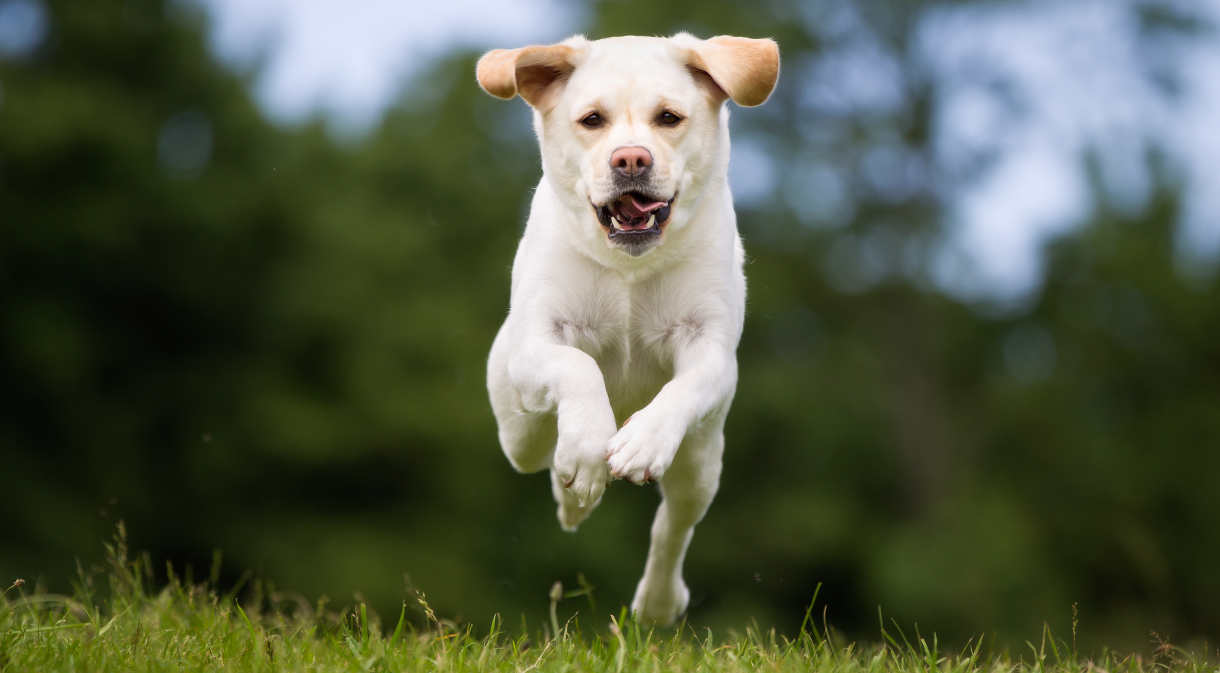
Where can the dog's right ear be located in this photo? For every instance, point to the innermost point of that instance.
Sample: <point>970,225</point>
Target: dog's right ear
<point>535,72</point>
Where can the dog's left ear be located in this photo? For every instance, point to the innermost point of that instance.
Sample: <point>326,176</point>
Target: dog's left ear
<point>535,72</point>
<point>744,69</point>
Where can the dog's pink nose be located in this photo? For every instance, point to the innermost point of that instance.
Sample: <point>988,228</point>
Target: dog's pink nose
<point>631,161</point>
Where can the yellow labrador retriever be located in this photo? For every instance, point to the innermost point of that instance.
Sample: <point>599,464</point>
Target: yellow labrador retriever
<point>628,294</point>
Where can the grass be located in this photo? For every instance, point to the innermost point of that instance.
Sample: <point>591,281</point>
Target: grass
<point>185,626</point>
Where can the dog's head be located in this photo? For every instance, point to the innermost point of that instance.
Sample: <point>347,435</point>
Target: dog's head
<point>631,128</point>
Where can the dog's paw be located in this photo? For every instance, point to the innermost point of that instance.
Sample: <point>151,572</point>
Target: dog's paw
<point>584,476</point>
<point>580,467</point>
<point>569,511</point>
<point>645,446</point>
<point>660,603</point>
<point>571,515</point>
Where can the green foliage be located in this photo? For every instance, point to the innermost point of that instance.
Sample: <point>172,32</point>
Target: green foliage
<point>192,627</point>
<point>239,336</point>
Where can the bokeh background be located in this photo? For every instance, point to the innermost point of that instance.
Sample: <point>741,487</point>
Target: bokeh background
<point>253,253</point>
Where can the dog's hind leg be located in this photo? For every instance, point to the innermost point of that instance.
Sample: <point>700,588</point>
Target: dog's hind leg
<point>530,439</point>
<point>687,490</point>
<point>527,438</point>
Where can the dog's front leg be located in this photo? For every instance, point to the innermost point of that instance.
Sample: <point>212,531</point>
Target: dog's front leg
<point>557,379</point>
<point>705,376</point>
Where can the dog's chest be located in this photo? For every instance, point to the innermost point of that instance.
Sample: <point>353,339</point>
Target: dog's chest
<point>632,330</point>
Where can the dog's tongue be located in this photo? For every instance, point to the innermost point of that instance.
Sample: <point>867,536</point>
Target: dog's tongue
<point>634,209</point>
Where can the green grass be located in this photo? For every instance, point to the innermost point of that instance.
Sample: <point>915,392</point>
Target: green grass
<point>186,626</point>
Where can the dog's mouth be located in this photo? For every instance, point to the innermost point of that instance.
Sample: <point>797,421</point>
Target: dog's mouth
<point>634,216</point>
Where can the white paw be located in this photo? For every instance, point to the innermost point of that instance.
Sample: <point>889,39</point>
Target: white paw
<point>571,515</point>
<point>660,603</point>
<point>579,463</point>
<point>645,446</point>
<point>569,512</point>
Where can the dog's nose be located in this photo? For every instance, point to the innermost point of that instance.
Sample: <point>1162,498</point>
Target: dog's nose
<point>631,162</point>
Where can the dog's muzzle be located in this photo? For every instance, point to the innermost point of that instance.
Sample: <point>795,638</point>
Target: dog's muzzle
<point>634,219</point>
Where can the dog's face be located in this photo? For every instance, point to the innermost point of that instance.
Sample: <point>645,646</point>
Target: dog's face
<point>631,128</point>
<point>630,131</point>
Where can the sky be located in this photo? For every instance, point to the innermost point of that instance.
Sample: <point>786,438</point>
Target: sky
<point>351,63</point>
<point>1085,79</point>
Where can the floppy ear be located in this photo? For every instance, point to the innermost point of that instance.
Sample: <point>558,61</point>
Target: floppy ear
<point>534,72</point>
<point>744,69</point>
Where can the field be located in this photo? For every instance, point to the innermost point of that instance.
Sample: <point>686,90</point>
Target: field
<point>116,621</point>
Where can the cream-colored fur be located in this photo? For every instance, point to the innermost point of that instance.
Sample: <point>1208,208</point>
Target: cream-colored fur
<point>617,358</point>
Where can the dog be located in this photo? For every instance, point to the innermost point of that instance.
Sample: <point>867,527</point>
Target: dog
<point>628,293</point>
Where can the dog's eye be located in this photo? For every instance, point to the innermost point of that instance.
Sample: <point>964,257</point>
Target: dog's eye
<point>592,120</point>
<point>667,118</point>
